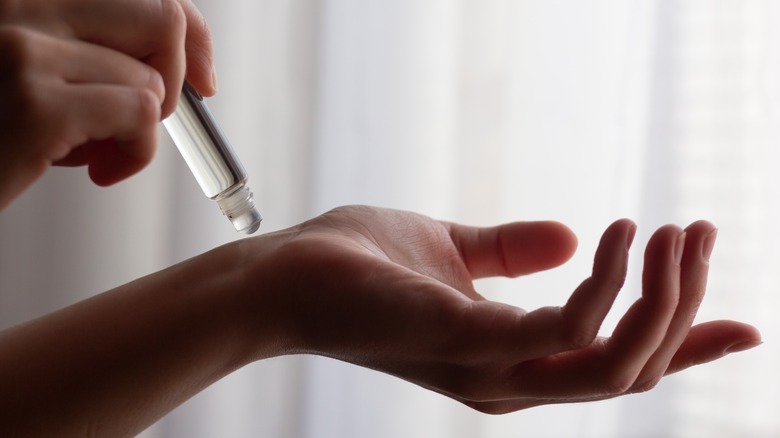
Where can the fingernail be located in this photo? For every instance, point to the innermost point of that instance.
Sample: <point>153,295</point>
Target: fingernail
<point>679,246</point>
<point>709,244</point>
<point>630,236</point>
<point>742,346</point>
<point>214,78</point>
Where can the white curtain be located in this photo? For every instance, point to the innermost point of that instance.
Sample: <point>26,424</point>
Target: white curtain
<point>475,111</point>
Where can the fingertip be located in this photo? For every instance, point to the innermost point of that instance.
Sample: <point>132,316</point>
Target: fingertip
<point>171,60</point>
<point>203,77</point>
<point>157,84</point>
<point>110,163</point>
<point>664,240</point>
<point>742,346</point>
<point>545,245</point>
<point>168,105</point>
<point>748,333</point>
<point>625,226</point>
<point>513,249</point>
<point>201,72</point>
<point>612,252</point>
<point>701,226</point>
<point>704,234</point>
<point>564,238</point>
<point>713,340</point>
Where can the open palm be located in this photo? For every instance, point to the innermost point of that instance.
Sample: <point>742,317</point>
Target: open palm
<point>393,291</point>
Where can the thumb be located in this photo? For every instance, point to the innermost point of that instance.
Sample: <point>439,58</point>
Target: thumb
<point>513,249</point>
<point>200,53</point>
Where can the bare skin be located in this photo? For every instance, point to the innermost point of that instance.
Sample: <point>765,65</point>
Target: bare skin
<point>86,82</point>
<point>383,289</point>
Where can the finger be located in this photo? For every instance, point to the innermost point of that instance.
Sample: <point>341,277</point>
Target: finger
<point>576,324</point>
<point>643,328</point>
<point>150,30</point>
<point>200,53</point>
<point>84,63</point>
<point>699,242</point>
<point>610,366</point>
<point>107,160</point>
<point>119,124</point>
<point>513,249</point>
<point>169,58</point>
<point>589,304</point>
<point>67,113</point>
<point>112,161</point>
<point>712,340</point>
<point>492,326</point>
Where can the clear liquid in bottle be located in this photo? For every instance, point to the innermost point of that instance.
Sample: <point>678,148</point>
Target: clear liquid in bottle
<point>212,161</point>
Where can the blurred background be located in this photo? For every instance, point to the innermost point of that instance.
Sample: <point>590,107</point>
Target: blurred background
<point>478,112</point>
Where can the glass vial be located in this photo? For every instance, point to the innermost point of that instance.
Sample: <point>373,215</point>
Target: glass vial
<point>212,161</point>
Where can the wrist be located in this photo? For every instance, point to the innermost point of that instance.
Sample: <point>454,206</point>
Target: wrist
<point>262,297</point>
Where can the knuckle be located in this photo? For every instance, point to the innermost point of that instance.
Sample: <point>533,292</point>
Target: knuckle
<point>156,84</point>
<point>16,52</point>
<point>645,386</point>
<point>613,281</point>
<point>24,99</point>
<point>148,106</point>
<point>617,382</point>
<point>578,334</point>
<point>578,337</point>
<point>172,15</point>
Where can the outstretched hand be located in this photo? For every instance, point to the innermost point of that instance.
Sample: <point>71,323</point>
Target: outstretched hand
<point>384,289</point>
<point>394,291</point>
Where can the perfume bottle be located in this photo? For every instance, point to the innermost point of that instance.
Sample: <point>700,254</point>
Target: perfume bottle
<point>212,161</point>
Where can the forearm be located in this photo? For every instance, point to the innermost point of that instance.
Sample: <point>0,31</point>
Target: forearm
<point>114,364</point>
<point>383,289</point>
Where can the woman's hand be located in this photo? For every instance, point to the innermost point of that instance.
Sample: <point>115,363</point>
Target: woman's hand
<point>87,82</point>
<point>393,291</point>
<point>384,289</point>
